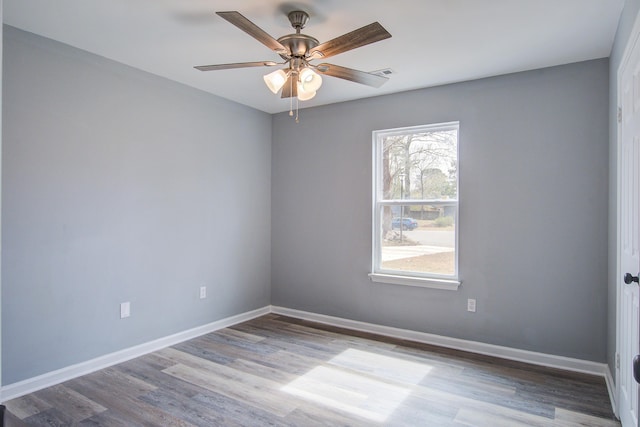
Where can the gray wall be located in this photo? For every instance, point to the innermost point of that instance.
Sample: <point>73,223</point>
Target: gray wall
<point>533,211</point>
<point>625,26</point>
<point>118,185</point>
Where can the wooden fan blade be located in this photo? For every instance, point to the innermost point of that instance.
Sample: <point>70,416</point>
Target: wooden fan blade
<point>351,74</point>
<point>362,36</point>
<point>253,30</point>
<point>235,65</point>
<point>290,88</point>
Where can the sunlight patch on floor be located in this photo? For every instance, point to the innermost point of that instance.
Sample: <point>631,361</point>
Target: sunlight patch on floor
<point>362,383</point>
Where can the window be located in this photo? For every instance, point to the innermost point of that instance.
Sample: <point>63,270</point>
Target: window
<point>415,206</point>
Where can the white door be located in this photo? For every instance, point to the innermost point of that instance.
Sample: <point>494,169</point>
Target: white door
<point>629,231</point>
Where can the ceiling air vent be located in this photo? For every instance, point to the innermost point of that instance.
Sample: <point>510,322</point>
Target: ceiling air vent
<point>386,72</point>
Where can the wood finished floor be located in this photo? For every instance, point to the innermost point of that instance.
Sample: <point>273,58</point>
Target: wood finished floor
<point>279,371</point>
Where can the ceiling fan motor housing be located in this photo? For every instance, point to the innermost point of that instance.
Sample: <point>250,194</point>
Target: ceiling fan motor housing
<point>298,44</point>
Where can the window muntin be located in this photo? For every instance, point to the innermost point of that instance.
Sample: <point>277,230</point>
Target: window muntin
<point>415,198</point>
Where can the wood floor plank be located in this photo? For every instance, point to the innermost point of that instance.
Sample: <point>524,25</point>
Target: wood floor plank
<point>489,404</point>
<point>314,345</point>
<point>259,347</point>
<point>236,387</point>
<point>125,406</point>
<point>74,405</point>
<point>274,373</point>
<point>291,363</point>
<point>489,394</point>
<point>471,417</point>
<point>10,420</point>
<point>111,418</point>
<point>154,375</point>
<point>565,418</point>
<point>315,415</point>
<point>51,417</point>
<point>415,411</point>
<point>121,383</point>
<point>258,391</point>
<point>189,410</point>
<point>230,351</point>
<point>238,411</point>
<point>239,335</point>
<point>382,366</point>
<point>340,339</point>
<point>200,349</point>
<point>26,406</point>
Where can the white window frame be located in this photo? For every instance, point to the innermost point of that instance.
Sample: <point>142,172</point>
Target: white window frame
<point>409,278</point>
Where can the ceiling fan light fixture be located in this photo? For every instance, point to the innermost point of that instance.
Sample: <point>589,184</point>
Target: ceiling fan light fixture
<point>310,80</point>
<point>305,94</point>
<point>275,80</point>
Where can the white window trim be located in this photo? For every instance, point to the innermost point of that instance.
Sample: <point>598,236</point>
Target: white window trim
<point>421,282</point>
<point>408,278</point>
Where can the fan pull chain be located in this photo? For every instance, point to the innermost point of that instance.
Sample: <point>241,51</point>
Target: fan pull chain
<point>297,108</point>
<point>291,97</point>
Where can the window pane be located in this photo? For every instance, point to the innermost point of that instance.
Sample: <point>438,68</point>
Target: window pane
<point>420,165</point>
<point>419,238</point>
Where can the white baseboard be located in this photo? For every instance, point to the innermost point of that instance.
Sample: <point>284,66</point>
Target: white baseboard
<point>49,379</point>
<point>611,388</point>
<point>542,359</point>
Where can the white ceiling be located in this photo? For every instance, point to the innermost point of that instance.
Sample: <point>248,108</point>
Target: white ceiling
<point>433,41</point>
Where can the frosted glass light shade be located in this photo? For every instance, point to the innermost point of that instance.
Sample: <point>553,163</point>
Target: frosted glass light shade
<point>304,94</point>
<point>275,80</point>
<point>310,80</point>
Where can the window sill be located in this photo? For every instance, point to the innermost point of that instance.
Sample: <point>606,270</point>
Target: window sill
<point>422,282</point>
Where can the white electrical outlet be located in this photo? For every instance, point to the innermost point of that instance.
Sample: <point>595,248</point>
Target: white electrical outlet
<point>471,305</point>
<point>203,292</point>
<point>125,310</point>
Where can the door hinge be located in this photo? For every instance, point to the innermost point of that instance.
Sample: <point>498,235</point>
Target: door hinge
<point>619,114</point>
<point>617,360</point>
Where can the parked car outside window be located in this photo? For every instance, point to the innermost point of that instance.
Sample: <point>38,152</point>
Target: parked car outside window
<point>407,223</point>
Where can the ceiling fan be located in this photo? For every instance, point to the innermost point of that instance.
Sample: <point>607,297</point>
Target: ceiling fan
<point>300,78</point>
